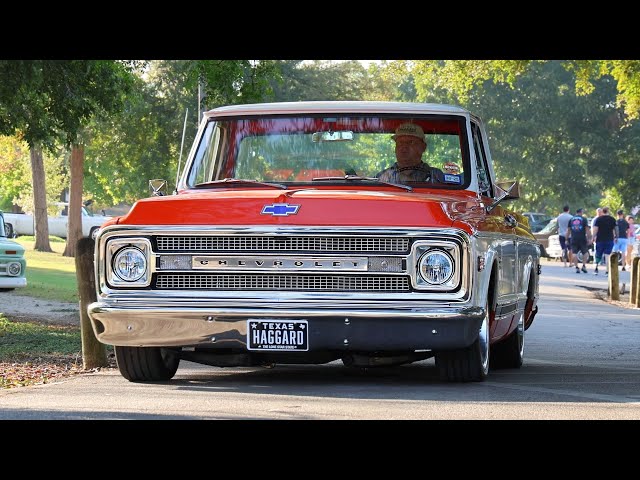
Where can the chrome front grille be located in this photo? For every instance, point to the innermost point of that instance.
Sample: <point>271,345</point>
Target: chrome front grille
<point>215,262</point>
<point>283,282</point>
<point>280,243</point>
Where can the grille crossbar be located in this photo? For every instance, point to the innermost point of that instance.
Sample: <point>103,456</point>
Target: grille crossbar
<point>291,243</point>
<point>282,282</point>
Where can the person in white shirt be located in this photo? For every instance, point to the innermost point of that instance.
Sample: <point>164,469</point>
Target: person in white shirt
<point>563,226</point>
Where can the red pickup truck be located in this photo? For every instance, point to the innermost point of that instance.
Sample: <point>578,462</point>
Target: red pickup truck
<point>299,235</point>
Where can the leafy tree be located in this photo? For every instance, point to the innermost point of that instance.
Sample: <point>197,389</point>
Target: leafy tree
<point>320,80</point>
<point>330,80</point>
<point>461,76</point>
<point>229,82</point>
<point>143,141</point>
<point>14,171</point>
<point>564,146</point>
<point>46,102</point>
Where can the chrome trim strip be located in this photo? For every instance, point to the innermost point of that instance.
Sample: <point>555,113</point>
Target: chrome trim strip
<point>278,263</point>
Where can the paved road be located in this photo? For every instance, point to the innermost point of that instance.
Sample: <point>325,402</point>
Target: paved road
<point>582,362</point>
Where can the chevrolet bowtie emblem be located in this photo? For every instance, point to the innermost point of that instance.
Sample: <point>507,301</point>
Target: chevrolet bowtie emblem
<point>280,209</point>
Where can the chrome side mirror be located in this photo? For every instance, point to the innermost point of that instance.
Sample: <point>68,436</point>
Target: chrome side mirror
<point>157,187</point>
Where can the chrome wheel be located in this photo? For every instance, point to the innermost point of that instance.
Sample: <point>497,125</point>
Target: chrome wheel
<point>469,364</point>
<point>483,343</point>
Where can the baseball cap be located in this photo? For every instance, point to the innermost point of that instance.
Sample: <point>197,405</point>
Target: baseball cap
<point>578,210</point>
<point>410,129</point>
<point>620,212</point>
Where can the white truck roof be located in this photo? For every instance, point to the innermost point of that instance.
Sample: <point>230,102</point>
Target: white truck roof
<point>335,107</point>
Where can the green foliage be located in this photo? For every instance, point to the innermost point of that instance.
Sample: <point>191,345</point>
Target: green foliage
<point>544,135</point>
<point>460,77</point>
<point>15,170</point>
<point>45,101</point>
<point>319,80</point>
<point>229,82</point>
<point>325,80</point>
<point>143,141</point>
<point>563,145</point>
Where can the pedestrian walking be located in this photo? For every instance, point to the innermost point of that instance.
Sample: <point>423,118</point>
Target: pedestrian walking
<point>630,239</point>
<point>622,241</point>
<point>563,227</point>
<point>580,234</point>
<point>598,214</point>
<point>604,235</point>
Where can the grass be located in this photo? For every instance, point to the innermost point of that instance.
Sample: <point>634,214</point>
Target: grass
<point>31,353</point>
<point>24,339</point>
<point>50,276</point>
<point>35,353</point>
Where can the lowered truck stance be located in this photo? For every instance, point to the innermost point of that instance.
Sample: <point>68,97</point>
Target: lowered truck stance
<point>297,236</point>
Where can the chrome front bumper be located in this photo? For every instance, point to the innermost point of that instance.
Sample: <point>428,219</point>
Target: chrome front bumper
<point>13,282</point>
<point>329,328</point>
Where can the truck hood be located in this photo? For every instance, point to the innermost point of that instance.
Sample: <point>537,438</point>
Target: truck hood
<point>9,247</point>
<point>316,207</point>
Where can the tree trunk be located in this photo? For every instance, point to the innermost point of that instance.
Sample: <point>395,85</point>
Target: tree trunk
<point>40,214</point>
<point>94,353</point>
<point>74,232</point>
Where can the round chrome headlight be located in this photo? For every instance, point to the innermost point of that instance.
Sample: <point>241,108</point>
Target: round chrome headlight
<point>435,267</point>
<point>14,269</point>
<point>130,264</point>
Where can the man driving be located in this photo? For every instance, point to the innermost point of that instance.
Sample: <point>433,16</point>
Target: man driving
<point>409,167</point>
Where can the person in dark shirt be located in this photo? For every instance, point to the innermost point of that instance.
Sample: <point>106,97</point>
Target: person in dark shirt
<point>604,235</point>
<point>623,233</point>
<point>580,235</point>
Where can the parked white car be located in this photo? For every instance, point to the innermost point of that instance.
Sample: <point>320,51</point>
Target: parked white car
<point>553,250</point>
<point>23,223</point>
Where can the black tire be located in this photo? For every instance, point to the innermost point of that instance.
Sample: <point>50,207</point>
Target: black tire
<point>9,230</point>
<point>470,364</point>
<point>147,364</point>
<point>93,232</point>
<point>510,352</point>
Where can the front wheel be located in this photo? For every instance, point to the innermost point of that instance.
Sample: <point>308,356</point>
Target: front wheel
<point>9,230</point>
<point>146,364</point>
<point>510,352</point>
<point>470,364</point>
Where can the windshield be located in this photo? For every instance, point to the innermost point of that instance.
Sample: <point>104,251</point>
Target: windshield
<point>295,150</point>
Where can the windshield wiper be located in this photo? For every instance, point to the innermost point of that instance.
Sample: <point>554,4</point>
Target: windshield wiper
<point>239,181</point>
<point>357,178</point>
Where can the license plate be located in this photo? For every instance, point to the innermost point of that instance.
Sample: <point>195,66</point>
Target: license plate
<point>277,335</point>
